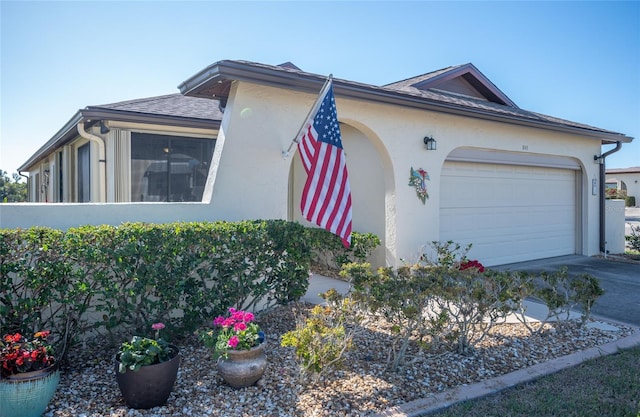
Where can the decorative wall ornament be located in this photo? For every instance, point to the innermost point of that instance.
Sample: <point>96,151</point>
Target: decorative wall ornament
<point>417,179</point>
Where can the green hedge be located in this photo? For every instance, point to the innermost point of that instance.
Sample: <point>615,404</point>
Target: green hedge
<point>115,281</point>
<point>119,280</point>
<point>329,255</point>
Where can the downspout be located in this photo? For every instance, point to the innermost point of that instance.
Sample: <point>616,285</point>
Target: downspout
<point>28,185</point>
<point>101,159</point>
<point>601,159</point>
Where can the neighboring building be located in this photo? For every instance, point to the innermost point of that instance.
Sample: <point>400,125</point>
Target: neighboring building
<point>516,184</point>
<point>150,149</point>
<point>627,180</point>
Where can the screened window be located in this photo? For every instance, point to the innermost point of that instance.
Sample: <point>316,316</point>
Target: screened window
<point>84,174</point>
<point>59,181</point>
<point>169,168</point>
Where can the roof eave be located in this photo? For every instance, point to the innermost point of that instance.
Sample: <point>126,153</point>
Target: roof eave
<point>91,115</point>
<point>65,134</point>
<point>219,75</point>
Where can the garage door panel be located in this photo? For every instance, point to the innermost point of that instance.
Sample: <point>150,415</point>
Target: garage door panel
<point>508,213</point>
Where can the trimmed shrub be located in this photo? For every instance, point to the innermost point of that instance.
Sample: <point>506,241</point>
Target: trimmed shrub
<point>117,280</point>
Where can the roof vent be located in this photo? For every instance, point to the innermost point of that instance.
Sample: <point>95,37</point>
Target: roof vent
<point>289,65</point>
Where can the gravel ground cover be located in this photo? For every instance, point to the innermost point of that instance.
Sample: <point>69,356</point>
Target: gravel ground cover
<point>364,386</point>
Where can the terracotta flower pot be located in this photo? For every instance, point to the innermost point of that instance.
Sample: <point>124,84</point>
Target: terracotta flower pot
<point>28,394</point>
<point>243,368</point>
<point>151,385</point>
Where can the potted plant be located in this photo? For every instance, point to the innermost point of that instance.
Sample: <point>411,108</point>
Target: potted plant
<point>238,345</point>
<point>146,370</point>
<point>29,374</point>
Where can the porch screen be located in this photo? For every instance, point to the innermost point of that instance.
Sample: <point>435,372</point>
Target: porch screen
<point>169,168</point>
<point>84,174</point>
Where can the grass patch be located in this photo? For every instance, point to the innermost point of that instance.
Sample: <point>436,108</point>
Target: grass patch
<point>607,386</point>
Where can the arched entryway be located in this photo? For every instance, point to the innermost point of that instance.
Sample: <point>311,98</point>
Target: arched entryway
<point>370,178</point>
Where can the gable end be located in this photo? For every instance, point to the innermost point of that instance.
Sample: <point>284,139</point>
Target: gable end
<point>465,80</point>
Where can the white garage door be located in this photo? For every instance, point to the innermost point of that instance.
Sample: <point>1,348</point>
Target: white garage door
<point>509,213</point>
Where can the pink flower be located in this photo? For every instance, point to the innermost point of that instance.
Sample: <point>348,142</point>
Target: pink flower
<point>157,326</point>
<point>233,341</point>
<point>218,321</point>
<point>238,327</point>
<point>248,317</point>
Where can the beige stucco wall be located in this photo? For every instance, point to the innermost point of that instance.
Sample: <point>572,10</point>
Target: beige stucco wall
<point>252,179</point>
<point>264,120</point>
<point>614,232</point>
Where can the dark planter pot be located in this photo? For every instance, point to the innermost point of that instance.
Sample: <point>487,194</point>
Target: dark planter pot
<point>29,393</point>
<point>151,385</point>
<point>243,368</point>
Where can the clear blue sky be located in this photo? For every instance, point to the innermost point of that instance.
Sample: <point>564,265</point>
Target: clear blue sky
<point>575,60</point>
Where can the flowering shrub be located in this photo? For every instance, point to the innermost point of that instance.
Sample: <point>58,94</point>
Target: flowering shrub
<point>19,355</point>
<point>634,238</point>
<point>142,351</point>
<point>561,293</point>
<point>321,339</point>
<point>237,331</point>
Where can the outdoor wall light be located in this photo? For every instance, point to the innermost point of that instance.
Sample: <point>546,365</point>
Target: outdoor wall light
<point>430,143</point>
<point>103,128</point>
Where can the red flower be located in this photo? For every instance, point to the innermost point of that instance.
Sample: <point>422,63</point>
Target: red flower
<point>12,338</point>
<point>472,264</point>
<point>19,354</point>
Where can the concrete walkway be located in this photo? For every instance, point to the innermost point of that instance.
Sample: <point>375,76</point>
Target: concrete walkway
<point>437,401</point>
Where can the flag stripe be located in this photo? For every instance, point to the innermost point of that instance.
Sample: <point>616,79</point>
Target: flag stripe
<point>326,196</point>
<point>339,196</point>
<point>307,148</point>
<point>328,167</point>
<point>336,185</point>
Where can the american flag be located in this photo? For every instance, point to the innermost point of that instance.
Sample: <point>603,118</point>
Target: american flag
<point>326,197</point>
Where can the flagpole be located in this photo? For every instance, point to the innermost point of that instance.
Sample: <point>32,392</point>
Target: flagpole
<point>285,154</point>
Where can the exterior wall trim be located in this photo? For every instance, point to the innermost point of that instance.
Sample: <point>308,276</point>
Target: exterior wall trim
<point>512,158</point>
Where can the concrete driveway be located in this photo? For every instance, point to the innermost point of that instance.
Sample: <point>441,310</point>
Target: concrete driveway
<point>620,281</point>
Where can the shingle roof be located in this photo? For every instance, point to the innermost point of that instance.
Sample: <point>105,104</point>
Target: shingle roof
<point>172,109</point>
<point>175,105</point>
<point>495,108</point>
<point>214,81</point>
<point>400,85</point>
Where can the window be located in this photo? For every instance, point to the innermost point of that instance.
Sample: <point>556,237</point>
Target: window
<point>58,182</point>
<point>84,174</point>
<point>36,188</point>
<point>169,168</point>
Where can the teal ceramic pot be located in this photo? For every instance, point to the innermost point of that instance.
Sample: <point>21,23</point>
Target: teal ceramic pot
<point>29,393</point>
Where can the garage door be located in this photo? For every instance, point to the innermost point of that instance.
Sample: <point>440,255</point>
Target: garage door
<point>509,213</point>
